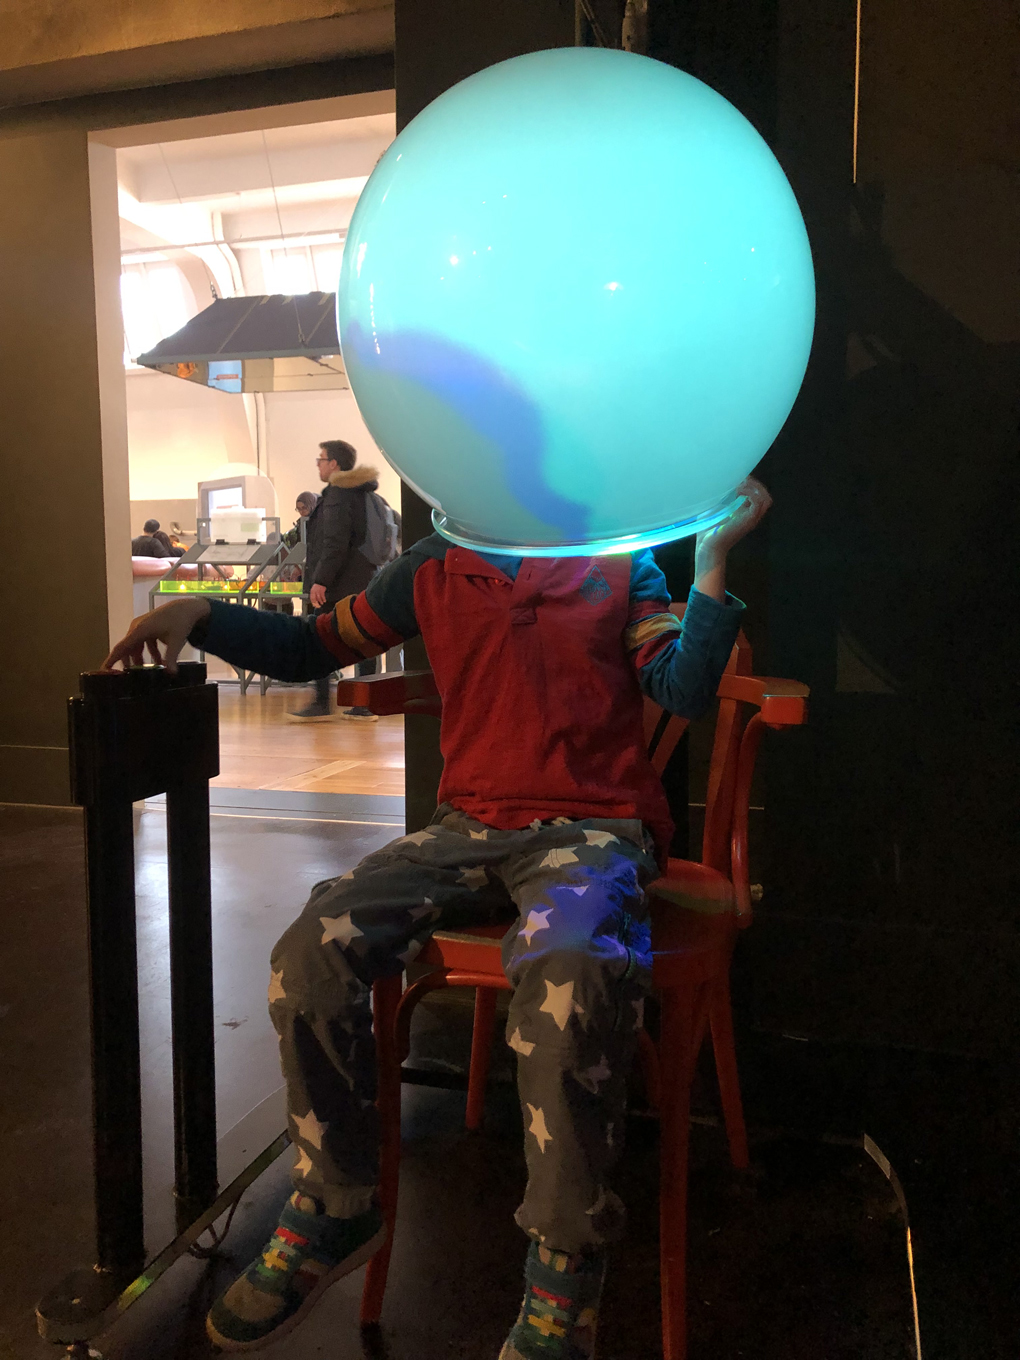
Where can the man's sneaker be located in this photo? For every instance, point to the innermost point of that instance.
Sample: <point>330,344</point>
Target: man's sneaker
<point>307,1253</point>
<point>359,715</point>
<point>315,712</point>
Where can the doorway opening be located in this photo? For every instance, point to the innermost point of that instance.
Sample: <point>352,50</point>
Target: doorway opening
<point>231,206</point>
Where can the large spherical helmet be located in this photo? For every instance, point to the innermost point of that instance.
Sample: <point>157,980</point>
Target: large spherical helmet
<point>576,304</point>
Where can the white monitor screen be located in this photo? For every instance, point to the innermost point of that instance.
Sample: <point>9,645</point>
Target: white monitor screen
<point>225,498</point>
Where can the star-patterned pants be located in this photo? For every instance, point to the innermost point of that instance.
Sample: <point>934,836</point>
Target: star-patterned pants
<point>578,957</point>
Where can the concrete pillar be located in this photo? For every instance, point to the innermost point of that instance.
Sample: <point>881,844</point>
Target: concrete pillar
<point>64,510</point>
<point>438,43</point>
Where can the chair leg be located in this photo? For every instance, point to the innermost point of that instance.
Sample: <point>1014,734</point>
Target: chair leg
<point>721,1021</point>
<point>682,1024</point>
<point>385,999</point>
<point>481,1052</point>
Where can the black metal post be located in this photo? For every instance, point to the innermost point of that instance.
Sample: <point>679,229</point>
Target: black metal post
<point>132,735</point>
<point>116,1071</point>
<point>191,998</point>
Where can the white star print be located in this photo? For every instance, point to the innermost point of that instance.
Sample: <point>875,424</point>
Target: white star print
<point>537,920</point>
<point>580,891</point>
<point>479,835</point>
<point>556,859</point>
<point>600,1072</point>
<point>601,838</point>
<point>276,992</point>
<point>348,874</point>
<point>427,908</point>
<point>639,1007</point>
<point>417,838</point>
<point>538,1128</point>
<point>519,1045</point>
<point>559,1002</point>
<point>411,952</point>
<point>473,878</point>
<point>341,929</point>
<point>309,1129</point>
<point>599,1204</point>
<point>303,1165</point>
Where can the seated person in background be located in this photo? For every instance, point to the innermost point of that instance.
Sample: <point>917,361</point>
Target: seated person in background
<point>153,542</point>
<point>178,546</point>
<point>147,546</point>
<point>550,807</point>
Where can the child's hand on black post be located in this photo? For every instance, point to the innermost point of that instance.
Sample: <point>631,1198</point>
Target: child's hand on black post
<point>169,625</point>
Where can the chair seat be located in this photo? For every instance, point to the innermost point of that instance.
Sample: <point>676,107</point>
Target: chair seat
<point>694,925</point>
<point>693,929</point>
<point>475,949</point>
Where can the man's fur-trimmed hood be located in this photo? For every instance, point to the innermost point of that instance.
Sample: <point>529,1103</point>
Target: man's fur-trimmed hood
<point>355,478</point>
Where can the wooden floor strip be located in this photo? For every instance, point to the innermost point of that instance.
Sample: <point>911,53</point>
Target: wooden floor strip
<point>260,748</point>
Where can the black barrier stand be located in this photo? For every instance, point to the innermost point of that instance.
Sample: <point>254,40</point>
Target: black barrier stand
<point>135,734</point>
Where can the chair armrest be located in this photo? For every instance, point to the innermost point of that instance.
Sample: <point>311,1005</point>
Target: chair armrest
<point>780,703</point>
<point>393,692</point>
<point>783,703</point>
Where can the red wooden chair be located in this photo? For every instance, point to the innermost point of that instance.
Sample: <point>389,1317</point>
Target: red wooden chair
<point>697,910</point>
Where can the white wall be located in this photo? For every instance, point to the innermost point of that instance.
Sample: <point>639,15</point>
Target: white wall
<point>180,433</point>
<point>296,422</point>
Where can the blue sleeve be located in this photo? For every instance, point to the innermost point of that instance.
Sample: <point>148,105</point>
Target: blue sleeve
<point>683,674</point>
<point>277,645</point>
<point>647,581</point>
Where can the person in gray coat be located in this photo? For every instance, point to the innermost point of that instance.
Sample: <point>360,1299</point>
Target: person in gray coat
<point>334,565</point>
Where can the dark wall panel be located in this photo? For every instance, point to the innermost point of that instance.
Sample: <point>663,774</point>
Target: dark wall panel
<point>890,913</point>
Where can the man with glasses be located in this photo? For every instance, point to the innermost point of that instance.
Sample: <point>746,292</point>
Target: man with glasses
<point>334,565</point>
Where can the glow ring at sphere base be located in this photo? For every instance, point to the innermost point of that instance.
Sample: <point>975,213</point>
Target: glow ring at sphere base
<point>464,538</point>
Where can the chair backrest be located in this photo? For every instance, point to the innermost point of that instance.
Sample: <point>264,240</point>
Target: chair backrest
<point>663,731</point>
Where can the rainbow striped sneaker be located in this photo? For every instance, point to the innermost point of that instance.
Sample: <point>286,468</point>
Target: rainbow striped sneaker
<point>307,1253</point>
<point>560,1311</point>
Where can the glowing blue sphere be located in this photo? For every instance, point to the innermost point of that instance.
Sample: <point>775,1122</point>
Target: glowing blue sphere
<point>576,304</point>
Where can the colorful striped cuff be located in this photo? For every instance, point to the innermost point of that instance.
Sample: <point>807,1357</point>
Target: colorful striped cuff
<point>359,627</point>
<point>649,629</point>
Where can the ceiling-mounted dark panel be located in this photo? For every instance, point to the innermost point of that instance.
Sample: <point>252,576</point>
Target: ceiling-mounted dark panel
<point>270,326</point>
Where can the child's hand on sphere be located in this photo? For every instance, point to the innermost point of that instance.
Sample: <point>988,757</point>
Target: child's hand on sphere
<point>712,545</point>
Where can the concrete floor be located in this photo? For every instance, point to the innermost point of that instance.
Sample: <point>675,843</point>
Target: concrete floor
<point>802,1257</point>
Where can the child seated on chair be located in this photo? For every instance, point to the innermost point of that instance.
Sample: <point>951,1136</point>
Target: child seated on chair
<point>547,801</point>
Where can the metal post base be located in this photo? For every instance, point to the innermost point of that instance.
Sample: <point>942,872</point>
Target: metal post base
<point>88,1302</point>
<point>82,1305</point>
